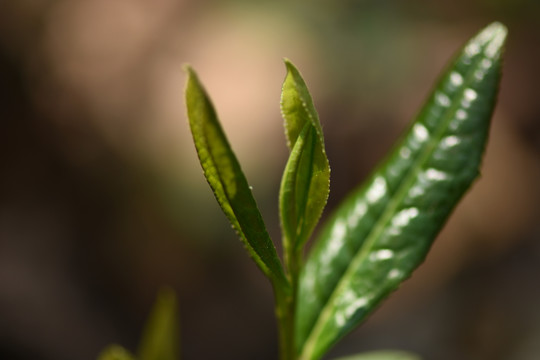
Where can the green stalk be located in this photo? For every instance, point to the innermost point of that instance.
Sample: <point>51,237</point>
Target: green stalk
<point>286,307</point>
<point>285,327</point>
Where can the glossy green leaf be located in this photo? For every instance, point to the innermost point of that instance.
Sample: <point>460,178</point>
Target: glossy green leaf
<point>115,352</point>
<point>306,180</point>
<point>382,355</point>
<point>230,187</point>
<point>383,231</point>
<point>160,340</point>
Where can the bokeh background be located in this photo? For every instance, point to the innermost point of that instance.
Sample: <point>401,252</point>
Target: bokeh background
<point>102,200</point>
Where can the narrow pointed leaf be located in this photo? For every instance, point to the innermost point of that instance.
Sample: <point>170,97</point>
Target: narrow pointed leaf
<point>383,231</point>
<point>115,352</point>
<point>306,180</point>
<point>160,340</point>
<point>228,182</point>
<point>382,355</point>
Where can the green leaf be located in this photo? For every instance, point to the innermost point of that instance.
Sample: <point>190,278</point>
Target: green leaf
<point>230,187</point>
<point>383,231</point>
<point>306,181</point>
<point>161,334</point>
<point>383,355</point>
<point>115,352</point>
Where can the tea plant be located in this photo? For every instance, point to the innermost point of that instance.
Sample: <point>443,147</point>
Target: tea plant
<point>380,233</point>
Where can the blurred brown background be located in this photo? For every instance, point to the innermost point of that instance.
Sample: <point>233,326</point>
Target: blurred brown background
<point>102,199</point>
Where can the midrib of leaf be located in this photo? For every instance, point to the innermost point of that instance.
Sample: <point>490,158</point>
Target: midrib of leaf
<point>388,212</point>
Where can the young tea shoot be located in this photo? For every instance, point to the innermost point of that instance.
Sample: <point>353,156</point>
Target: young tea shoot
<point>378,235</point>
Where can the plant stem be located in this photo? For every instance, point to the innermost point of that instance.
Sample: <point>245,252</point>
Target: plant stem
<point>285,327</point>
<point>286,308</point>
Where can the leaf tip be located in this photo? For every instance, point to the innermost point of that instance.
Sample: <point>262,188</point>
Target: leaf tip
<point>497,28</point>
<point>499,33</point>
<point>289,65</point>
<point>191,74</point>
<point>491,38</point>
<point>187,68</point>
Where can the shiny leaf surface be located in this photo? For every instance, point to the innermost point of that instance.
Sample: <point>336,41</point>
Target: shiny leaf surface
<point>225,176</point>
<point>383,231</point>
<point>161,334</point>
<point>382,355</point>
<point>306,180</point>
